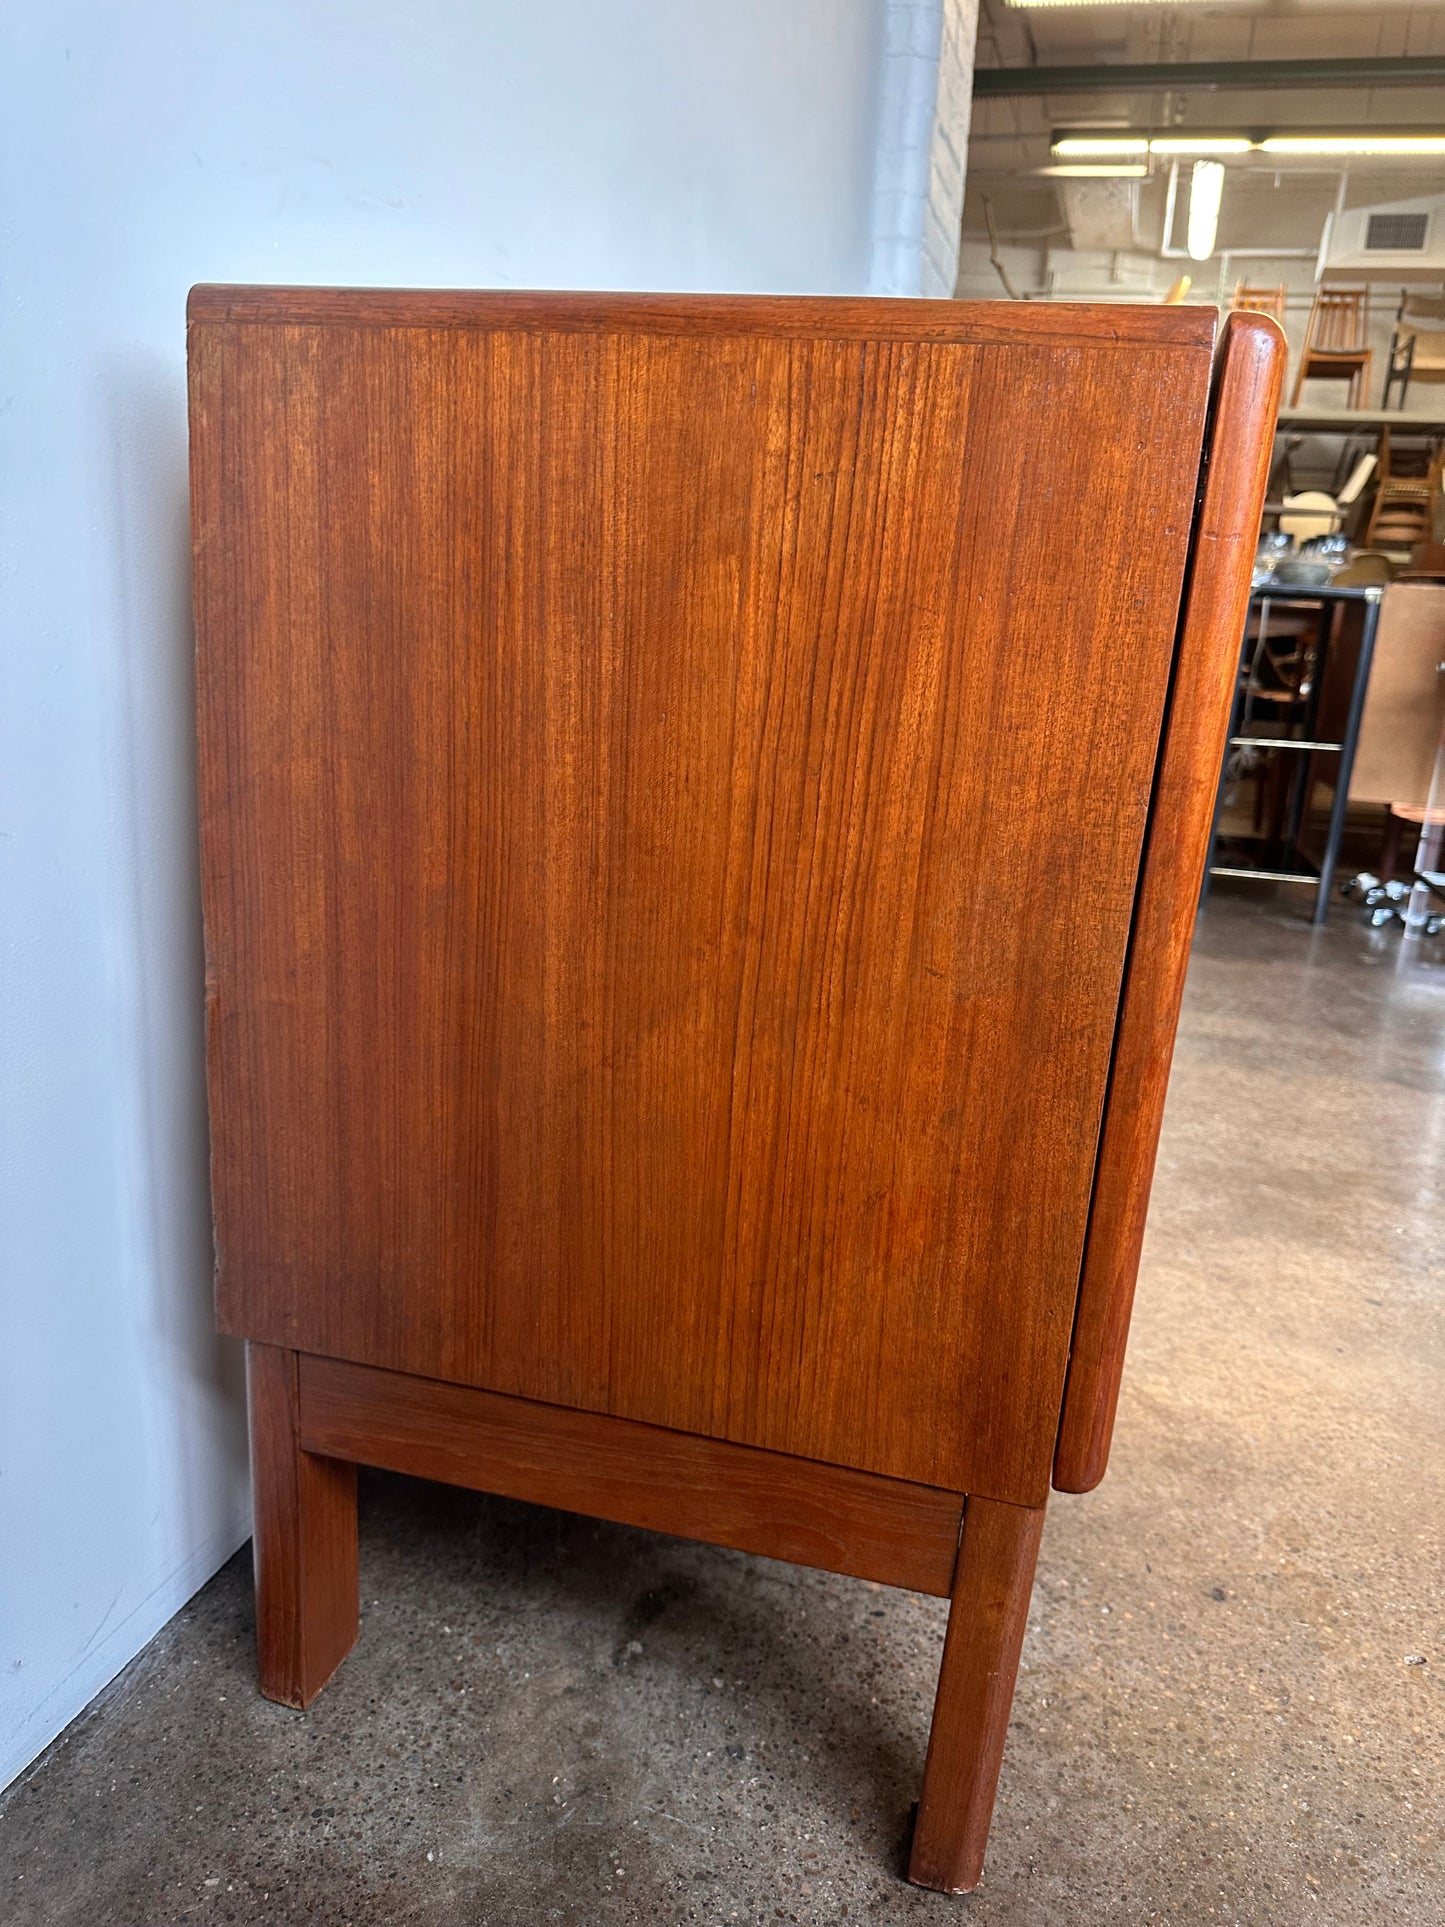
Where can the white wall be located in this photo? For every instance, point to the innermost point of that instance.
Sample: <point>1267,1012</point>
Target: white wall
<point>924,108</point>
<point>149,144</point>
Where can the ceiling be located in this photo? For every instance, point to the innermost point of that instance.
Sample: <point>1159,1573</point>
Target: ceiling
<point>1269,202</point>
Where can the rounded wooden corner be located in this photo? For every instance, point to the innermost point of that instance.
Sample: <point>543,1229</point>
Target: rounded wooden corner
<point>1259,337</point>
<point>1084,1472</point>
<point>203,300</point>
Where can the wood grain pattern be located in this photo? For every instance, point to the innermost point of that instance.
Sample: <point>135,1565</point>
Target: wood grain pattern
<point>1251,369</point>
<point>986,1624</point>
<point>671,810</point>
<point>303,1540</point>
<point>730,1495</point>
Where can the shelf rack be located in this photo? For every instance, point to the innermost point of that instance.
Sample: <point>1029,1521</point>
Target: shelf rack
<point>1301,738</point>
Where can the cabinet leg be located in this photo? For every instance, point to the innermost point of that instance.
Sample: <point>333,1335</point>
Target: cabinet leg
<point>991,1587</point>
<point>304,1540</point>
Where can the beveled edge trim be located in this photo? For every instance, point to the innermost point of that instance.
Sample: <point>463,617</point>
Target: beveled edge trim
<point>828,1516</point>
<point>863,317</point>
<point>1249,374</point>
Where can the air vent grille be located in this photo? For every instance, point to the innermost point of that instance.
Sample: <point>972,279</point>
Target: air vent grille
<point>1396,233</point>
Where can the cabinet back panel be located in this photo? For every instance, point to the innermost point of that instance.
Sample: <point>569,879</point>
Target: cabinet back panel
<point>671,808</point>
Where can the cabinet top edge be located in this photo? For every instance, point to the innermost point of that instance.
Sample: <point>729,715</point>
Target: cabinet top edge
<point>862,317</point>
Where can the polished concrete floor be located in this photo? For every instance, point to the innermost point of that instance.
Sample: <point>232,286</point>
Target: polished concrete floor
<point>1231,1702</point>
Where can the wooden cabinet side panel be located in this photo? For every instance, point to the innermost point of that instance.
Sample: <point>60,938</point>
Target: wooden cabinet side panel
<point>671,813</point>
<point>1251,370</point>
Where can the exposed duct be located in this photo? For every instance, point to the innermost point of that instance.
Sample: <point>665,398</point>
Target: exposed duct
<point>1391,241</point>
<point>1209,76</point>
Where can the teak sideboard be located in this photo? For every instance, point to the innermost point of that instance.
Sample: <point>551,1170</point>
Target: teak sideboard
<point>703,802</point>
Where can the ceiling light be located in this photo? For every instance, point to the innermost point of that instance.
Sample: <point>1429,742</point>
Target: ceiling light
<point>1081,143</point>
<point>1201,144</point>
<point>1102,146</point>
<point>1353,144</point>
<point>1096,171</point>
<point>1206,191</point>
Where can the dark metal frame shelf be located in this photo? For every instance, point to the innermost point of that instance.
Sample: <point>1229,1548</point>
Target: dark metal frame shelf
<point>1304,869</point>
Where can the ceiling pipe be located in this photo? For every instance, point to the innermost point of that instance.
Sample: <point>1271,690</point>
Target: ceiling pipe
<point>1209,76</point>
<point>994,256</point>
<point>1167,251</point>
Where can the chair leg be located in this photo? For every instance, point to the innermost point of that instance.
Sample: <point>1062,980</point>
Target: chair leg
<point>304,1540</point>
<point>991,1587</point>
<point>1390,846</point>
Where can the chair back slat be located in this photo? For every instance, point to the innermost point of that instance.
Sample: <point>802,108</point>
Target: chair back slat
<point>1339,321</point>
<point>1270,301</point>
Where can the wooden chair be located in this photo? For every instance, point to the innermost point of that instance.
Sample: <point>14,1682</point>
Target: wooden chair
<point>1336,343</point>
<point>687,1024</point>
<point>1310,512</point>
<point>1417,348</point>
<point>1271,301</point>
<point>1407,487</point>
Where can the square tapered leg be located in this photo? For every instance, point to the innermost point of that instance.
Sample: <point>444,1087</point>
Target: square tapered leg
<point>304,1540</point>
<point>991,1587</point>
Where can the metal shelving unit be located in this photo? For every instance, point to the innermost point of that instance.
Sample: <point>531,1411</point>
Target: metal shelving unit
<point>1293,727</point>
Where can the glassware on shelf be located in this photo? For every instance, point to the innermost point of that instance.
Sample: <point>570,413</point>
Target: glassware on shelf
<point>1274,545</point>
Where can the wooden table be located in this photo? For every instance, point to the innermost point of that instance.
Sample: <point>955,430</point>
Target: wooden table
<point>702,804</point>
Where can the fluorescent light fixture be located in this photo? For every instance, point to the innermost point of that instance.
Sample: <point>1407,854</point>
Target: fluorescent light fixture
<point>1201,144</point>
<point>1096,171</point>
<point>1363,143</point>
<point>1086,144</point>
<point>1206,191</point>
<point>1098,146</point>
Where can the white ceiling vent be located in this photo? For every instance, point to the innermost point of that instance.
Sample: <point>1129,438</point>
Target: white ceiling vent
<point>1395,241</point>
<point>1392,233</point>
